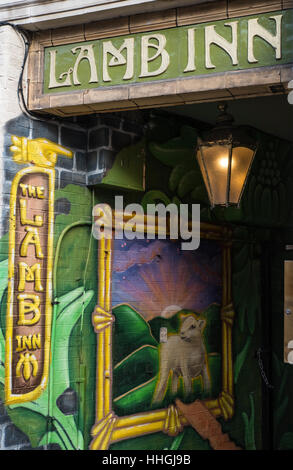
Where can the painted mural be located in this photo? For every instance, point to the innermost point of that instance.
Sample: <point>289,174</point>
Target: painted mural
<point>169,292</point>
<point>87,360</point>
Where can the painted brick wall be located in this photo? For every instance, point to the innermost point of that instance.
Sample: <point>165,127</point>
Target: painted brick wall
<point>94,140</point>
<point>108,134</point>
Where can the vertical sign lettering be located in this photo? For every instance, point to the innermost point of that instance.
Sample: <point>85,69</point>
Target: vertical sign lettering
<point>29,302</point>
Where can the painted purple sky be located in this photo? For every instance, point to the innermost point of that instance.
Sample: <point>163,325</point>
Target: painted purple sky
<point>157,278</point>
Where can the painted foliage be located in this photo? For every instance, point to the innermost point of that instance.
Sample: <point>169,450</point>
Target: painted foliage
<point>114,308</point>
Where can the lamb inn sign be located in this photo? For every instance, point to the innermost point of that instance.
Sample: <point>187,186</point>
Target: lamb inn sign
<point>148,59</point>
<point>239,43</point>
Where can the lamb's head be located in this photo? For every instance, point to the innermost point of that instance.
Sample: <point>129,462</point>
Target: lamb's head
<point>191,328</point>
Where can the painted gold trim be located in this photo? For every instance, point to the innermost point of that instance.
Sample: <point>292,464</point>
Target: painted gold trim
<point>110,428</point>
<point>42,154</point>
<point>33,395</point>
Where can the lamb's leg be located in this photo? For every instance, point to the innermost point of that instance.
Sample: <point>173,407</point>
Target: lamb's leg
<point>206,379</point>
<point>174,386</point>
<point>187,379</point>
<point>160,389</point>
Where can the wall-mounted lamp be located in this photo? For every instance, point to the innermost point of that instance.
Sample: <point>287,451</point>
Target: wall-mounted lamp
<point>225,154</point>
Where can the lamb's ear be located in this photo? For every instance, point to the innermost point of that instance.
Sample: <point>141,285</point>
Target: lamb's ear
<point>201,324</point>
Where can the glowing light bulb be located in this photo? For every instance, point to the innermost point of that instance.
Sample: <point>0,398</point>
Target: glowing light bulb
<point>223,162</point>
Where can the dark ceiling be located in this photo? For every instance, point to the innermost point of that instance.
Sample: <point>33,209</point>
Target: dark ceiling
<point>271,114</point>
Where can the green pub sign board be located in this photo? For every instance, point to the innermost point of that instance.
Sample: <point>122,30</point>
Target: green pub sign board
<point>186,51</point>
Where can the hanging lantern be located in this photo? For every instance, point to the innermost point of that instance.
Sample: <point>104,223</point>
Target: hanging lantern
<point>225,154</point>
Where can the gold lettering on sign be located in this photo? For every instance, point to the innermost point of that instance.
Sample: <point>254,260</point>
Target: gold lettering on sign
<point>38,221</point>
<point>29,274</point>
<point>28,304</point>
<point>31,238</point>
<point>29,307</point>
<point>28,342</point>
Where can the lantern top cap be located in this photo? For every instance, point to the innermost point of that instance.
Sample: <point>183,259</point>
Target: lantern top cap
<point>224,118</point>
<point>225,132</point>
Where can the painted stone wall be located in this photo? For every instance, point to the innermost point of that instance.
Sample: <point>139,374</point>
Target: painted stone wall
<point>72,227</point>
<point>92,386</point>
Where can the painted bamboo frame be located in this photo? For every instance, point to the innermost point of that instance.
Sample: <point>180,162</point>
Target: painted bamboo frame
<point>110,428</point>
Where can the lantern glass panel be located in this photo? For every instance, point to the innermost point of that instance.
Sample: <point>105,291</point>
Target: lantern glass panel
<point>214,164</point>
<point>241,161</point>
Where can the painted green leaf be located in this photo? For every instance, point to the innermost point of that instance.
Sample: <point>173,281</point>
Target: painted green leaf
<point>67,313</point>
<point>135,401</point>
<point>286,442</point>
<point>282,387</point>
<point>188,182</point>
<point>154,197</point>
<point>132,332</point>
<point>199,194</point>
<point>246,291</point>
<point>278,365</point>
<point>176,200</point>
<point>240,256</point>
<point>280,410</point>
<point>176,174</point>
<point>171,156</point>
<point>33,424</point>
<point>140,367</point>
<point>249,434</point>
<point>177,151</point>
<point>240,359</point>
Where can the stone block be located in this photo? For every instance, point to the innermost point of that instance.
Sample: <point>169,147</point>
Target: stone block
<point>287,4</point>
<point>92,161</point>
<point>68,34</point>
<point>96,97</point>
<point>73,138</point>
<point>99,138</point>
<point>250,7</point>
<point>152,21</point>
<point>64,162</point>
<point>135,127</point>
<point>120,140</point>
<point>106,159</point>
<point>111,120</point>
<point>65,178</point>
<point>106,28</point>
<point>95,178</point>
<point>79,178</point>
<point>63,100</point>
<point>202,13</point>
<point>80,161</point>
<point>44,129</point>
